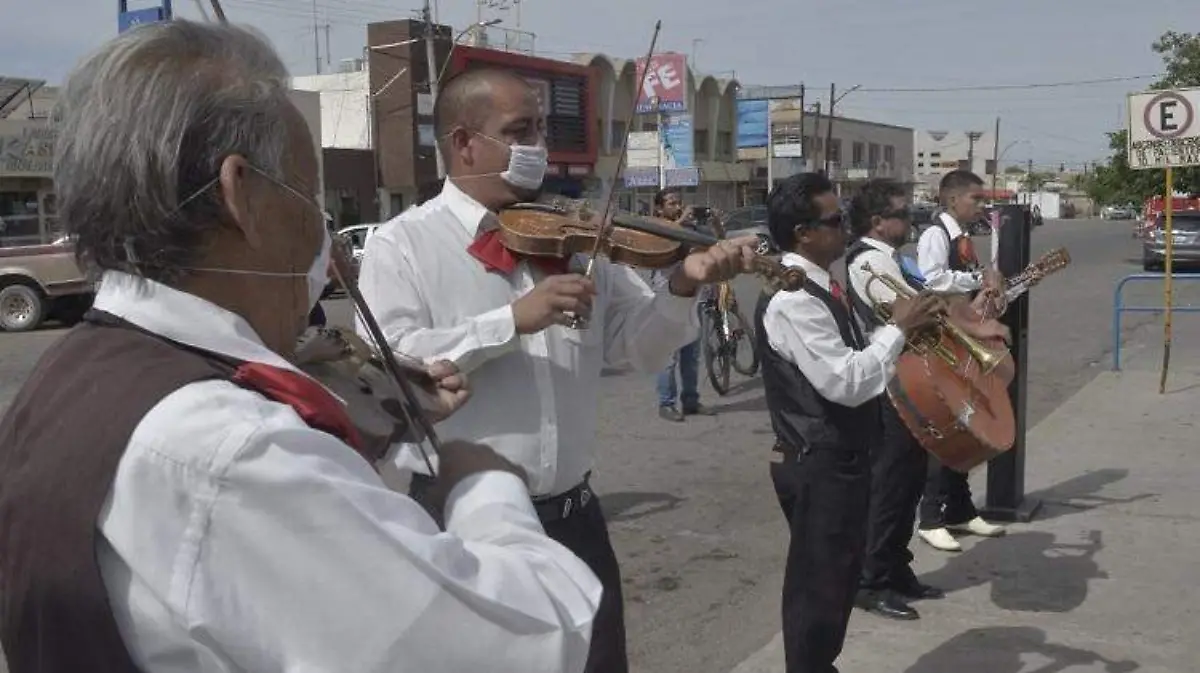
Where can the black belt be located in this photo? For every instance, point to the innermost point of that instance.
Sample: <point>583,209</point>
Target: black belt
<point>548,508</point>
<point>563,505</point>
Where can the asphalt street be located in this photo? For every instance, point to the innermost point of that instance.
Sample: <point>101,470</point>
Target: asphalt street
<point>692,511</point>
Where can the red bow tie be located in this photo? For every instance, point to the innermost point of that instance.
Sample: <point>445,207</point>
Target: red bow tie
<point>311,401</point>
<point>835,289</point>
<point>490,250</point>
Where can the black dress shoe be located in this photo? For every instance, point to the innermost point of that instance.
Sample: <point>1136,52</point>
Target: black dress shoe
<point>698,410</point>
<point>885,604</point>
<point>914,590</point>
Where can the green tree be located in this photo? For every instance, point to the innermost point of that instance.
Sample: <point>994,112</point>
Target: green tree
<point>1116,182</point>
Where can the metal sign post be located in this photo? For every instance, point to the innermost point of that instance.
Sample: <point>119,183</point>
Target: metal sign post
<point>1163,134</point>
<point>1005,499</point>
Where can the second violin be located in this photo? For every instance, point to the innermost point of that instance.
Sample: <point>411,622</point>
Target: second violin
<point>555,231</point>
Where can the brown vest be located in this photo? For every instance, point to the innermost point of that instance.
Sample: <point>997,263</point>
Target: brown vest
<point>60,443</point>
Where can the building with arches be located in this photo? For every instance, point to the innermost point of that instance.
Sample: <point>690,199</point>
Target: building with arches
<point>711,101</point>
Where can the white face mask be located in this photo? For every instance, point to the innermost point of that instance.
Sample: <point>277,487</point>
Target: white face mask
<point>317,274</point>
<point>526,164</point>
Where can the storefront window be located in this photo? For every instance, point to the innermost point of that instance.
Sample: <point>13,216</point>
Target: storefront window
<point>20,223</point>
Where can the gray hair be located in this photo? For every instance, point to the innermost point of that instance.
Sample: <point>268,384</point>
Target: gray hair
<point>143,126</point>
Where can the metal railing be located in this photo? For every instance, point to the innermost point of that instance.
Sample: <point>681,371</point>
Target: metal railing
<point>1120,308</point>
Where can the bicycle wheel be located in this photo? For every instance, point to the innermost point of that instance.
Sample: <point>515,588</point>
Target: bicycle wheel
<point>742,344</point>
<point>716,355</point>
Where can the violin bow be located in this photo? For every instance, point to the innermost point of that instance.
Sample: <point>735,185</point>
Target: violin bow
<point>606,227</point>
<point>410,406</point>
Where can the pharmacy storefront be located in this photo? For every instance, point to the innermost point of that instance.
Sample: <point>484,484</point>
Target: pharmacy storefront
<point>27,209</point>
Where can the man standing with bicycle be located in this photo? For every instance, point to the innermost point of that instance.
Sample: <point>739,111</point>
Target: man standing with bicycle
<point>668,204</point>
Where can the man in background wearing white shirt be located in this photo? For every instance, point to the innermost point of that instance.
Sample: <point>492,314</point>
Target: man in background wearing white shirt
<point>880,218</point>
<point>822,381</point>
<point>444,287</point>
<point>175,495</point>
<point>949,264</point>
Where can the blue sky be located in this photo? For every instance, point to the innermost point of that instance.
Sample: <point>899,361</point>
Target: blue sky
<point>872,43</point>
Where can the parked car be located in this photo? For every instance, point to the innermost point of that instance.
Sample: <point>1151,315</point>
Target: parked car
<point>356,237</point>
<point>38,282</point>
<point>1185,229</point>
<point>747,220</point>
<point>1118,212</point>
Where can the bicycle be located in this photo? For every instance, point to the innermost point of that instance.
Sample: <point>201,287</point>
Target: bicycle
<point>727,335</point>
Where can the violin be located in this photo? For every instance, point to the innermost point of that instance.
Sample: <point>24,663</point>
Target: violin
<point>378,384</point>
<point>557,231</point>
<point>348,367</point>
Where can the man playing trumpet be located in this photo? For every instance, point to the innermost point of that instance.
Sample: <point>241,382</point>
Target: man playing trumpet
<point>880,219</point>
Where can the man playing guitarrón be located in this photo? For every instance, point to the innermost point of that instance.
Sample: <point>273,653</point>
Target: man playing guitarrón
<point>948,262</point>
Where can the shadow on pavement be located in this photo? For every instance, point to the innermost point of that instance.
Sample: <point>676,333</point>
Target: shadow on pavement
<point>1008,649</point>
<point>1078,494</point>
<point>1028,571</point>
<point>630,506</point>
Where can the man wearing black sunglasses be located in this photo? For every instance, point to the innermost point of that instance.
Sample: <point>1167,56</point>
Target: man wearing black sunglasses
<point>822,381</point>
<point>880,220</point>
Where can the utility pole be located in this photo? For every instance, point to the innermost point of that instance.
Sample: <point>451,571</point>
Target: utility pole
<point>995,156</point>
<point>316,37</point>
<point>803,141</point>
<point>770,151</point>
<point>328,51</point>
<point>432,69</point>
<point>829,127</point>
<point>817,132</point>
<point>1029,182</point>
<point>972,138</point>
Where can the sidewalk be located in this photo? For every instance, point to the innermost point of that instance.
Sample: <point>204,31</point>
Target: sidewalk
<point>1104,579</point>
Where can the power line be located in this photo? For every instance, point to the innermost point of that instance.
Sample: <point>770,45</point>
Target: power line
<point>1009,87</point>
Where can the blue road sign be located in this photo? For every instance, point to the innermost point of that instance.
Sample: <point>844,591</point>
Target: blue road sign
<point>127,20</point>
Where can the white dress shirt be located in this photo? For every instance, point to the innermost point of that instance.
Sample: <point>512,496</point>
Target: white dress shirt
<point>237,538</point>
<point>802,329</point>
<point>933,257</point>
<point>534,396</point>
<point>882,258</point>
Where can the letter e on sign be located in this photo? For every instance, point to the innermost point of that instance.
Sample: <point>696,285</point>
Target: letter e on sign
<point>668,76</point>
<point>1168,115</point>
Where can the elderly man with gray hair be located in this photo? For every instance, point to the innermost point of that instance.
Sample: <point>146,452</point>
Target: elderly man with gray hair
<point>175,495</point>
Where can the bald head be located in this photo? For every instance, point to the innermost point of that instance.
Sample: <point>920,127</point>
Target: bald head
<point>466,100</point>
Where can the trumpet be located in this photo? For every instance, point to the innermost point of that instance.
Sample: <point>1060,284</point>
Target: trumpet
<point>932,343</point>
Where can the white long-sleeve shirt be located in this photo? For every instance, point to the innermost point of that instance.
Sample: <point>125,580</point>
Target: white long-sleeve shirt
<point>882,258</point>
<point>534,396</point>
<point>237,538</point>
<point>802,329</point>
<point>933,257</point>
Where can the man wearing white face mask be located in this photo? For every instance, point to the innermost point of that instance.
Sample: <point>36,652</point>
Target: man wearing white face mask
<point>175,494</point>
<point>443,287</point>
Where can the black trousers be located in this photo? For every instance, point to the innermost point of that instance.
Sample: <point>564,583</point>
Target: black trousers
<point>824,496</point>
<point>586,534</point>
<point>947,499</point>
<point>898,470</point>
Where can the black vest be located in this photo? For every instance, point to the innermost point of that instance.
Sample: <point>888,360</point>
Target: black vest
<point>803,420</point>
<point>858,303</point>
<point>958,261</point>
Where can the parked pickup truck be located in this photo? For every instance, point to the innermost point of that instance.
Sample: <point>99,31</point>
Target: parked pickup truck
<point>38,282</point>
